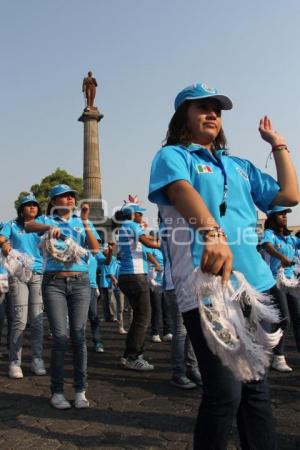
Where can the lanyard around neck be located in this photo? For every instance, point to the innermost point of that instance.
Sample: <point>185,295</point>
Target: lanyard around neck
<point>223,204</point>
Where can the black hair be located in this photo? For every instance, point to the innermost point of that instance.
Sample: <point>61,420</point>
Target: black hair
<point>20,218</point>
<point>271,224</point>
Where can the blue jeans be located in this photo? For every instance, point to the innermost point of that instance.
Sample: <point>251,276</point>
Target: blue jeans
<point>5,311</point>
<point>94,317</point>
<point>160,311</point>
<point>108,303</point>
<point>2,312</point>
<point>288,302</point>
<point>67,296</point>
<point>183,358</point>
<point>26,302</point>
<point>225,398</point>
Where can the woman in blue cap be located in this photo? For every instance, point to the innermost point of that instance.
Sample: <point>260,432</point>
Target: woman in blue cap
<point>25,297</point>
<point>133,282</point>
<point>283,248</point>
<point>207,202</point>
<point>66,290</point>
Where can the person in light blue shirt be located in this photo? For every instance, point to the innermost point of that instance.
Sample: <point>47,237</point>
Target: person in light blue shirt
<point>25,297</point>
<point>66,290</point>
<point>160,307</point>
<point>133,282</point>
<point>207,203</point>
<point>111,296</point>
<point>4,301</point>
<point>282,247</point>
<point>93,308</point>
<point>114,272</point>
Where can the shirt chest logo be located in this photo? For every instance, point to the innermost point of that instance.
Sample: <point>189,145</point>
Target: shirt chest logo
<point>242,173</point>
<point>203,168</point>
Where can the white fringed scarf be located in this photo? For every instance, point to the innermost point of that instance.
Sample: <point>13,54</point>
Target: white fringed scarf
<point>3,283</point>
<point>238,339</point>
<point>71,253</point>
<point>154,285</point>
<point>18,265</point>
<point>282,280</point>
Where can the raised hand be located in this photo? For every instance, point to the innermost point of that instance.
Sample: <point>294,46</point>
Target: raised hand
<point>85,211</point>
<point>268,133</point>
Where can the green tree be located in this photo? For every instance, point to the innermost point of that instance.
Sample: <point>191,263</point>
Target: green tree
<point>41,190</point>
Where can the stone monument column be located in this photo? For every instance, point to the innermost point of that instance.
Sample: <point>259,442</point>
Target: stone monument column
<point>90,117</point>
<point>91,162</point>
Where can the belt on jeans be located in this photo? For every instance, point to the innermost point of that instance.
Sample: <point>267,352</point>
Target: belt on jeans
<point>62,277</point>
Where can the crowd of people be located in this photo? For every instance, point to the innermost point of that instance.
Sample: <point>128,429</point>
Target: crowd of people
<point>202,281</point>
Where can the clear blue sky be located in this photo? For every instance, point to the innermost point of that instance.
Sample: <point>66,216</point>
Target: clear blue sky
<point>142,53</point>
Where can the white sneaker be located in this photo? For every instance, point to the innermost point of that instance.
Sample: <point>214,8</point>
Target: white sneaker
<point>14,371</point>
<point>168,337</point>
<point>37,366</point>
<point>59,401</point>
<point>156,338</point>
<point>81,401</point>
<point>279,364</point>
<point>121,330</point>
<point>139,364</point>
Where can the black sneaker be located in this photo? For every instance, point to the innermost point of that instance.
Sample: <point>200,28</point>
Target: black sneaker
<point>195,377</point>
<point>183,383</point>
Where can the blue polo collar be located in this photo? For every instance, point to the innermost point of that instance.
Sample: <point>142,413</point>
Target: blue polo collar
<point>57,217</point>
<point>196,147</point>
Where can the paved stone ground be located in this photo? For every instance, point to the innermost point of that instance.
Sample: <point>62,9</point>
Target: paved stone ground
<point>129,410</point>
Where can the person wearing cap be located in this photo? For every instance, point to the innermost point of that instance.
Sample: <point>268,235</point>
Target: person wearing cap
<point>106,292</point>
<point>66,290</point>
<point>207,202</point>
<point>25,297</point>
<point>160,308</point>
<point>133,282</point>
<point>282,247</point>
<point>93,315</point>
<point>111,295</point>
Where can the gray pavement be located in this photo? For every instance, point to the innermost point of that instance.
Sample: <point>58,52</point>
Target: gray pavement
<point>129,410</point>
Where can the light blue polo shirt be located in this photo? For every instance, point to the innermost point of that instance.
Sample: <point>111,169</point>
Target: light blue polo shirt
<point>248,188</point>
<point>133,257</point>
<point>74,228</point>
<point>285,245</point>
<point>24,242</point>
<point>158,255</point>
<point>92,264</point>
<point>105,280</point>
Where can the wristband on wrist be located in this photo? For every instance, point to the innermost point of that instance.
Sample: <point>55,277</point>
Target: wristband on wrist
<point>279,148</point>
<point>213,232</point>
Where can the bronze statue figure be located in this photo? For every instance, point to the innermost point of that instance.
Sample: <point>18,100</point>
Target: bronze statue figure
<point>89,85</point>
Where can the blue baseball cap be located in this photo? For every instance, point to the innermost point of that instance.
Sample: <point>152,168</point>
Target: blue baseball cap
<point>199,91</point>
<point>29,198</point>
<point>60,189</point>
<point>130,208</point>
<point>277,209</point>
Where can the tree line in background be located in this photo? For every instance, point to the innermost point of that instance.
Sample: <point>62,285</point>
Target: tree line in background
<point>41,190</point>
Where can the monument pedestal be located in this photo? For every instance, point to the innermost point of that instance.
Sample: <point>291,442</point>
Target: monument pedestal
<point>91,171</point>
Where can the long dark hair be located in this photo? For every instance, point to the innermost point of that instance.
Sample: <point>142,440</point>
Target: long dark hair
<point>20,218</point>
<point>271,224</point>
<point>178,132</point>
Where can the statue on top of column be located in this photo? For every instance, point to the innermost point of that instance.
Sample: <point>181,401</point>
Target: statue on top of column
<point>89,85</point>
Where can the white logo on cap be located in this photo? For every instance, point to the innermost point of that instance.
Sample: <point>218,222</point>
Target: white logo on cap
<point>208,89</point>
